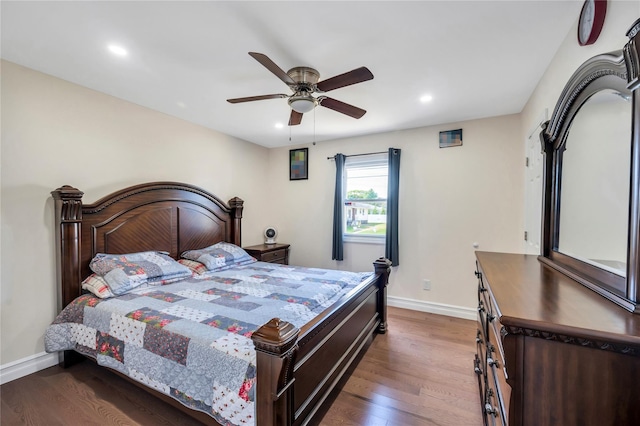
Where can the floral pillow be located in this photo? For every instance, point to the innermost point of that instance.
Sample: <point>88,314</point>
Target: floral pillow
<point>220,256</point>
<point>124,272</point>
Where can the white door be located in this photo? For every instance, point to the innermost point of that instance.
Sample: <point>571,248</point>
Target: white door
<point>533,189</point>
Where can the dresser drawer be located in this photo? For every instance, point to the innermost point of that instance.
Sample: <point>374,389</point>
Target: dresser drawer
<point>483,292</point>
<point>493,327</point>
<point>481,350</point>
<point>478,366</point>
<point>496,376</point>
<point>482,321</point>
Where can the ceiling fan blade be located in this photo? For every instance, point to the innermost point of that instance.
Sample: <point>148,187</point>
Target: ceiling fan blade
<point>256,98</point>
<point>295,118</point>
<point>271,66</point>
<point>347,79</point>
<point>342,107</point>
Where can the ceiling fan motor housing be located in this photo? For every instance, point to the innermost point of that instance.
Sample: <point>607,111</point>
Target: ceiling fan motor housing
<point>304,76</point>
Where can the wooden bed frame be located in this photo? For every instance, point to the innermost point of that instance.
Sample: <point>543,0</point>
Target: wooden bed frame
<point>296,368</point>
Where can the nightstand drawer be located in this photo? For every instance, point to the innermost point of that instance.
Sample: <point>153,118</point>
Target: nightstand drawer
<point>272,253</point>
<point>274,256</point>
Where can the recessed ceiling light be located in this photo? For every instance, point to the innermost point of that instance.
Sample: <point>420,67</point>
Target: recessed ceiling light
<point>182,105</point>
<point>426,98</point>
<point>279,125</point>
<point>117,50</point>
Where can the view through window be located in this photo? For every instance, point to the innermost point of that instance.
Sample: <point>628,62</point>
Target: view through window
<point>365,197</point>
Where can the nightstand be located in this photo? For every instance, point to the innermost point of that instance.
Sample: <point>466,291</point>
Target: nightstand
<point>273,253</point>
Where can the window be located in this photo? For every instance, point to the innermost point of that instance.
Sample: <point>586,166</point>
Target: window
<point>365,198</point>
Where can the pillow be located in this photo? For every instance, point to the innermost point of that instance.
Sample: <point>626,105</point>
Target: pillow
<point>220,256</point>
<point>195,266</point>
<point>124,272</point>
<point>200,270</point>
<point>97,285</point>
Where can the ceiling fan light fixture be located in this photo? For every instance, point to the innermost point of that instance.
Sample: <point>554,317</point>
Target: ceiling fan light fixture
<point>302,103</point>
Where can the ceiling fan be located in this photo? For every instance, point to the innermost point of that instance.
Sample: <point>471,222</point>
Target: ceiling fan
<point>303,81</point>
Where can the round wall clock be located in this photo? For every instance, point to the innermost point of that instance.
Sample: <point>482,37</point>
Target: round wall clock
<point>591,21</point>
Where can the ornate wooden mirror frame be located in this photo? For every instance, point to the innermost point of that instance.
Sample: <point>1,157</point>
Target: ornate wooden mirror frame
<point>619,71</point>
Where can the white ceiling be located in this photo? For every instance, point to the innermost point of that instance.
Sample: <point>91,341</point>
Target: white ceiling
<point>476,58</point>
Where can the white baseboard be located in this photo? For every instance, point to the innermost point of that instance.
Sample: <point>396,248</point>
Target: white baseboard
<point>25,366</point>
<point>433,307</point>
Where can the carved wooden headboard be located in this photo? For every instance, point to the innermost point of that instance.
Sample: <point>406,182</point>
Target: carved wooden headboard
<point>167,216</point>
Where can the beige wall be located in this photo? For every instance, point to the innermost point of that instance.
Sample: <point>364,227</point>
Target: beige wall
<point>55,133</point>
<point>449,199</point>
<point>620,16</point>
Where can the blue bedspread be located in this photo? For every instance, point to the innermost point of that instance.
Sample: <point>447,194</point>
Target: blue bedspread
<point>191,339</point>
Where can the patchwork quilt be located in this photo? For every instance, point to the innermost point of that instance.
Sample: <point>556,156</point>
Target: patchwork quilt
<point>192,339</point>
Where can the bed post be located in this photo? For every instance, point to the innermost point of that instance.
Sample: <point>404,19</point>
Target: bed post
<point>276,348</point>
<point>68,216</point>
<point>382,268</point>
<point>68,213</point>
<point>236,213</point>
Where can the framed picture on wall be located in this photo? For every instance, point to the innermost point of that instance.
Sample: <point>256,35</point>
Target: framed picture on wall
<point>299,164</point>
<point>450,138</point>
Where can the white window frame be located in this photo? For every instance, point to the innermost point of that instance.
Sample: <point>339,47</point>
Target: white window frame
<point>359,161</point>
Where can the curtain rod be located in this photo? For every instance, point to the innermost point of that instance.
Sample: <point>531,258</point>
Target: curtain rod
<point>358,155</point>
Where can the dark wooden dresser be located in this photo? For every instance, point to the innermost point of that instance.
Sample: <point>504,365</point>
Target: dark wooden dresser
<point>551,351</point>
<point>273,253</point>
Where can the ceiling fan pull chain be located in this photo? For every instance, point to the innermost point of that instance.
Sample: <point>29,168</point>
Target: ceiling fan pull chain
<point>314,126</point>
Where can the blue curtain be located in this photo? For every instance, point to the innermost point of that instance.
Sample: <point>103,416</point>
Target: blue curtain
<point>391,248</point>
<point>338,201</point>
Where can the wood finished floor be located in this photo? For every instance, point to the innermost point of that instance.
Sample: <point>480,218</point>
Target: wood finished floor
<point>419,373</point>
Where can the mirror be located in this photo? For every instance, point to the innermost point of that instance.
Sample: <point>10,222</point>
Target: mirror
<point>594,195</point>
<point>591,199</point>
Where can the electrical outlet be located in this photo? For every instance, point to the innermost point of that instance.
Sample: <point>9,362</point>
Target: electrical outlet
<point>426,284</point>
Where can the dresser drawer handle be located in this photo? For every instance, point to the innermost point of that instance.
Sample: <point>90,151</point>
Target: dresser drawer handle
<point>490,409</point>
<point>492,362</point>
<point>476,367</point>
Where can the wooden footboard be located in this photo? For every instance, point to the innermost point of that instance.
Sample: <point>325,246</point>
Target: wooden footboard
<point>296,368</point>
